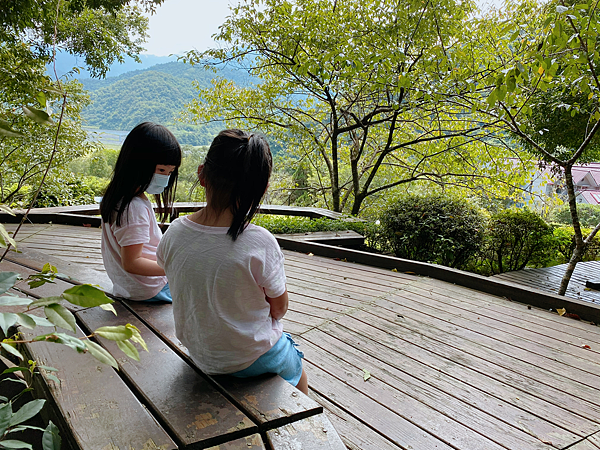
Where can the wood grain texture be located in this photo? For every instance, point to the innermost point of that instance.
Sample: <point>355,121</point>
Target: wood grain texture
<point>93,406</point>
<point>270,401</point>
<point>185,403</point>
<point>312,433</point>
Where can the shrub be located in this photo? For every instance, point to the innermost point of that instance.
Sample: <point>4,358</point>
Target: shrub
<point>515,239</point>
<point>589,215</point>
<point>563,244</point>
<point>434,229</point>
<point>293,224</point>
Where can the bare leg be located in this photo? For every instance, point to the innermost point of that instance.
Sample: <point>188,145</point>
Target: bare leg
<point>303,383</point>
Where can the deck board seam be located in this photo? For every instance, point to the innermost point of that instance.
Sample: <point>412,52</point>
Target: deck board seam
<point>362,307</point>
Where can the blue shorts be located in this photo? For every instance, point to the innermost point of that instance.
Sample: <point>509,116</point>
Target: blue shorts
<point>163,296</point>
<point>283,359</point>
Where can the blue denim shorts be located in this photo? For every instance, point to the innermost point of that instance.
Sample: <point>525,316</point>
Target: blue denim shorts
<point>284,359</point>
<point>163,296</point>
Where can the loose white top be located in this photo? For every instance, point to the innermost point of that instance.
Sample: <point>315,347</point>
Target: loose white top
<point>138,226</point>
<point>218,287</point>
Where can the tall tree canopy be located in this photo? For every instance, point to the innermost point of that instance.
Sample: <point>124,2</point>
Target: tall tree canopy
<point>363,91</point>
<point>32,31</point>
<point>542,85</point>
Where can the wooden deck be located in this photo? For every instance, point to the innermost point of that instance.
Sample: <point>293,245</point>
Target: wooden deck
<point>549,278</point>
<point>406,362</point>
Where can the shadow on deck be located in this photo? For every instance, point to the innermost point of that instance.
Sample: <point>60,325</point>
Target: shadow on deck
<point>401,361</point>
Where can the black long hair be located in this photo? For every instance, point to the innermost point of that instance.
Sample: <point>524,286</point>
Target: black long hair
<point>147,145</point>
<point>237,169</point>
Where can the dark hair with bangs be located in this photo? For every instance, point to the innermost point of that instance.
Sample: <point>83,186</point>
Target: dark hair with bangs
<point>147,145</point>
<point>237,169</point>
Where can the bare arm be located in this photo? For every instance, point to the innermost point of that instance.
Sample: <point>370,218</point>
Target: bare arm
<point>279,305</point>
<point>134,262</point>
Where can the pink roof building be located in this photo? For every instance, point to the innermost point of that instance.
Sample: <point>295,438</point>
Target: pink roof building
<point>587,183</point>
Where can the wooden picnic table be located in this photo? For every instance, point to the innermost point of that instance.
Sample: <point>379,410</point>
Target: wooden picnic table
<point>164,401</point>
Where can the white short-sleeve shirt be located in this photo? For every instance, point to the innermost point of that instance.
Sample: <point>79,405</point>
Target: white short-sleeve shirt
<point>138,226</point>
<point>218,287</point>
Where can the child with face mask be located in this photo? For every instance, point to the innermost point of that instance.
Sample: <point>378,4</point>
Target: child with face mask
<point>148,163</point>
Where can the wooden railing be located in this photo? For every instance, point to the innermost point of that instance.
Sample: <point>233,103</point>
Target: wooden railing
<point>89,215</point>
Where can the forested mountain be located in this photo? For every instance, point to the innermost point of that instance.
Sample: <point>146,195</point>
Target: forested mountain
<point>158,94</point>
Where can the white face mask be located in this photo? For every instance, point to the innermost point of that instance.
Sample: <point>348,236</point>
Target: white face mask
<point>158,183</point>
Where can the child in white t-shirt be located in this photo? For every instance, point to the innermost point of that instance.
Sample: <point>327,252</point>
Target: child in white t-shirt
<point>148,162</point>
<point>226,275</point>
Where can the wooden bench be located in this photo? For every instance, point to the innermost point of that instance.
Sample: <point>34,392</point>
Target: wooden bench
<point>163,401</point>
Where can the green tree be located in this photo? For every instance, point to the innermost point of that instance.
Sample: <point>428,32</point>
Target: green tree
<point>542,87</point>
<point>363,92</point>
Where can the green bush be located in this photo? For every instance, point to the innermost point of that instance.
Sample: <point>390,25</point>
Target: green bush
<point>434,229</point>
<point>516,239</point>
<point>589,215</point>
<point>563,244</point>
<point>66,190</point>
<point>292,224</point>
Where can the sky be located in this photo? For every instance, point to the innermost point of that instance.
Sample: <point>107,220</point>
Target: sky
<point>182,25</point>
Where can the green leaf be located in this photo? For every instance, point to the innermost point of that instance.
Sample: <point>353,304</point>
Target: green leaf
<point>51,438</point>
<point>7,320</point>
<point>136,336</point>
<point>26,320</point>
<point>110,308</point>
<point>70,341</point>
<point>53,378</point>
<point>6,130</point>
<point>27,411</point>
<point>15,369</point>
<point>25,427</point>
<point>37,116</point>
<point>41,98</point>
<point>11,443</point>
<point>101,355</point>
<point>5,416</point>
<point>129,349</point>
<point>45,301</point>
<point>60,316</point>
<point>7,280</point>
<point>10,349</point>
<point>14,301</point>
<point>86,296</point>
<point>48,268</point>
<point>366,374</point>
<point>41,321</point>
<point>7,210</point>
<point>118,333</point>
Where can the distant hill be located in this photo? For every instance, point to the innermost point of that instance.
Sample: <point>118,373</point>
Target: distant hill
<point>157,94</point>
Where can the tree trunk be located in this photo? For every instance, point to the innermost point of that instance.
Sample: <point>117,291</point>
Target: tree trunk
<point>580,245</point>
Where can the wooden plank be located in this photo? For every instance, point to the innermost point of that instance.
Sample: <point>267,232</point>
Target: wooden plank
<point>253,442</point>
<point>427,407</point>
<point>475,408</point>
<point>47,290</point>
<point>514,388</point>
<point>270,401</point>
<point>194,412</point>
<point>345,237</point>
<point>521,310</point>
<point>499,321</point>
<point>389,423</point>
<point>78,273</point>
<point>312,433</point>
<point>93,407</point>
<point>586,310</point>
<point>584,445</point>
<point>355,434</point>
